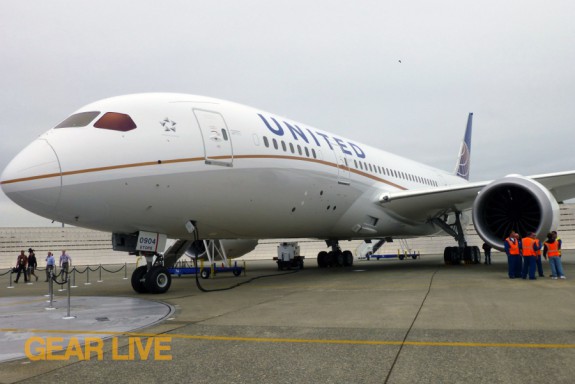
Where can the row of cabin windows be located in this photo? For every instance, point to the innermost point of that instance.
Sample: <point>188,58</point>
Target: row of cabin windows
<point>393,173</point>
<point>292,148</point>
<point>358,164</point>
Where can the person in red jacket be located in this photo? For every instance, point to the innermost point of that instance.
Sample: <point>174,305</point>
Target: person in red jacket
<point>21,264</point>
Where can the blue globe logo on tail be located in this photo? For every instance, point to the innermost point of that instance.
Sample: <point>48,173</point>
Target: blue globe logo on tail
<point>464,161</point>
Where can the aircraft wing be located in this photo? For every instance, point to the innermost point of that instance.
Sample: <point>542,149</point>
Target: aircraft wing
<point>429,203</point>
<point>560,184</point>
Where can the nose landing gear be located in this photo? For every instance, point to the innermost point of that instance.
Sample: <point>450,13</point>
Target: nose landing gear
<point>152,277</point>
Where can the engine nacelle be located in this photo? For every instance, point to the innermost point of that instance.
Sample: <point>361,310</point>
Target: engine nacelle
<point>514,203</point>
<point>233,248</point>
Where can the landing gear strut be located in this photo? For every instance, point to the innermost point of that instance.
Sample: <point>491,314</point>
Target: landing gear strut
<point>152,277</point>
<point>454,255</point>
<point>336,257</point>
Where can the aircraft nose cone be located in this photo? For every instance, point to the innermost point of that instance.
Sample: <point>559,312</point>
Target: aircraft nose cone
<point>33,179</point>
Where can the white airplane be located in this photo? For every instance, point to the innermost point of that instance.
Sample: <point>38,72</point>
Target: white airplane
<point>150,166</point>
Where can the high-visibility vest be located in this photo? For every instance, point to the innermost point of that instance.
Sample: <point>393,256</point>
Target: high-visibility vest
<point>528,244</point>
<point>552,249</point>
<point>538,252</point>
<point>513,246</point>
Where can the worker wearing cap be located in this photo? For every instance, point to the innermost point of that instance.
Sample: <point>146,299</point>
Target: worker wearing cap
<point>529,251</point>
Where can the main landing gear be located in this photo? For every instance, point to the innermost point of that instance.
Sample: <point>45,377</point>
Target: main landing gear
<point>335,258</point>
<point>152,277</point>
<point>454,255</point>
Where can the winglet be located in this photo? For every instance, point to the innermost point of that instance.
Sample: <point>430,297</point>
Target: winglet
<point>464,161</point>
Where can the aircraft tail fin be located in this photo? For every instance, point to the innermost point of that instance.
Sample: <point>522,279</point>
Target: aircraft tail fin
<point>464,160</point>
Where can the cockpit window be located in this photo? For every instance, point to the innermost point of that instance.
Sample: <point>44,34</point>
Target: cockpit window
<point>116,122</point>
<point>78,120</point>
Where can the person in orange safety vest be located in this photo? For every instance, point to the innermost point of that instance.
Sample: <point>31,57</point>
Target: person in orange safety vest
<point>551,249</point>
<point>529,252</point>
<point>512,247</point>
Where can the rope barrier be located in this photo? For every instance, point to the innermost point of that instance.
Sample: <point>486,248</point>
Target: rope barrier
<point>60,278</point>
<point>7,272</point>
<point>121,268</point>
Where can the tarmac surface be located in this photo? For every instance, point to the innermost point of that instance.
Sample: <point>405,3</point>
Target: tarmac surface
<point>388,321</point>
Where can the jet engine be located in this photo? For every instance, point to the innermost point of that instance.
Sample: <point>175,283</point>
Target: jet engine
<point>514,203</point>
<point>233,248</point>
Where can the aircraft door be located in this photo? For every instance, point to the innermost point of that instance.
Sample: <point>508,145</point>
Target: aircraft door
<point>343,162</point>
<point>218,148</point>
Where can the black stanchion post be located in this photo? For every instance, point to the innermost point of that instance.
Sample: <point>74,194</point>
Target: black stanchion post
<point>125,271</point>
<point>100,274</point>
<point>87,276</point>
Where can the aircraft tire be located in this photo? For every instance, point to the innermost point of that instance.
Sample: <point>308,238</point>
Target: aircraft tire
<point>455,258</point>
<point>447,255</point>
<point>347,258</point>
<point>476,255</point>
<point>468,255</point>
<point>138,279</point>
<point>205,273</point>
<point>339,259</point>
<point>322,261</point>
<point>158,280</point>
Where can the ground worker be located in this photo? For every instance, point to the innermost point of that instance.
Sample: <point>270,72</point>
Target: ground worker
<point>558,239</point>
<point>487,251</point>
<point>512,249</point>
<point>551,251</point>
<point>529,251</point>
<point>538,258</point>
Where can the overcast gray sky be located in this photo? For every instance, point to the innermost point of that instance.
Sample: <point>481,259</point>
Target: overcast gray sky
<point>332,65</point>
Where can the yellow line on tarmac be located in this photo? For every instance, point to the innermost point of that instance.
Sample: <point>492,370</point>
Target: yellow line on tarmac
<point>298,341</point>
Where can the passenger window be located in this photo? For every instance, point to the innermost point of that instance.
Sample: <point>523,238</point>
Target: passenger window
<point>299,150</point>
<point>224,134</point>
<point>291,148</point>
<point>266,142</point>
<point>115,122</point>
<point>284,146</point>
<point>78,120</point>
<point>274,141</point>
<point>306,151</point>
